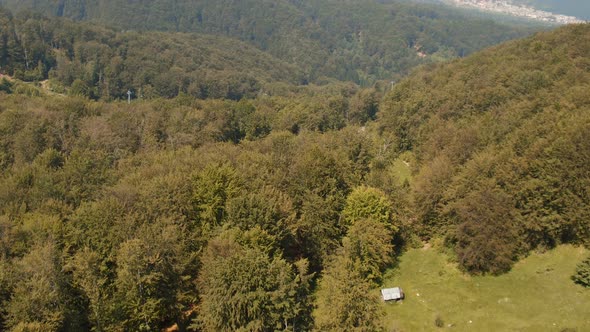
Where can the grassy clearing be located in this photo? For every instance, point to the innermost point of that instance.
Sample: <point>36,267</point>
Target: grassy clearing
<point>401,168</point>
<point>537,295</point>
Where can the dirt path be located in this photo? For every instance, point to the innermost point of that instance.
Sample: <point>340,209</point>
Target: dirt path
<point>45,87</point>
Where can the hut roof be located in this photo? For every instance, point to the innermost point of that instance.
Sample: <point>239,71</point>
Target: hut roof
<point>389,294</point>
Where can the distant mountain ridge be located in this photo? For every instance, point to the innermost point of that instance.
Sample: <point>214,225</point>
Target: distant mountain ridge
<point>361,41</point>
<point>99,62</point>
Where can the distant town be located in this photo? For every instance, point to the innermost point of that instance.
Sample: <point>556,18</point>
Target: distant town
<point>509,8</point>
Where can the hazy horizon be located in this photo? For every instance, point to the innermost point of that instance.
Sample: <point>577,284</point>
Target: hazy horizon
<point>577,8</point>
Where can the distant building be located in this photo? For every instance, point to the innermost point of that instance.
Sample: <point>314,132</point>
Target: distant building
<point>392,294</point>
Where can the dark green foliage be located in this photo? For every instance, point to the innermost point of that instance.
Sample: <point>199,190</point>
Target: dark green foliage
<point>582,275</point>
<point>5,86</point>
<point>368,245</point>
<point>243,289</point>
<point>361,41</point>
<point>89,276</point>
<point>363,107</point>
<point>486,238</point>
<point>214,186</point>
<point>269,209</point>
<point>319,184</point>
<point>439,322</point>
<point>146,281</point>
<point>97,62</point>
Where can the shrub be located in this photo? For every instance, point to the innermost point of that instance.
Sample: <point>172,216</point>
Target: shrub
<point>582,275</point>
<point>439,322</point>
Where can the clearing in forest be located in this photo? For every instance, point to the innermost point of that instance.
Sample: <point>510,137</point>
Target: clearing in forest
<point>536,295</point>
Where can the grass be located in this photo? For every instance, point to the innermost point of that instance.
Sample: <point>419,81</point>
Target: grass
<point>401,170</point>
<point>537,295</point>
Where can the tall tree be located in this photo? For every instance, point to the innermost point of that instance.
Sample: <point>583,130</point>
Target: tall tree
<point>38,302</point>
<point>368,243</point>
<point>244,289</point>
<point>369,203</point>
<point>487,237</point>
<point>214,186</point>
<point>89,276</point>
<point>345,300</point>
<point>149,278</point>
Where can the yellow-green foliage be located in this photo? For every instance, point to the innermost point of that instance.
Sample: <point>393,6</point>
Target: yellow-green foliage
<point>226,215</point>
<point>346,301</point>
<point>243,289</point>
<point>368,203</point>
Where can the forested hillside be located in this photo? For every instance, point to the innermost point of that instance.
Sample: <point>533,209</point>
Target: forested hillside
<point>263,191</point>
<point>282,212</point>
<point>501,143</point>
<point>360,40</point>
<point>118,217</point>
<point>99,62</point>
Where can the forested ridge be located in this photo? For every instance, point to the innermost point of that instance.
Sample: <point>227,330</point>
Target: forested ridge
<point>267,205</point>
<point>363,41</point>
<point>99,62</point>
<point>501,140</point>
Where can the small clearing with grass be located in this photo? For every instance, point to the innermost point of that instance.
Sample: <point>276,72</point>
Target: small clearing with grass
<point>537,295</point>
<point>401,169</point>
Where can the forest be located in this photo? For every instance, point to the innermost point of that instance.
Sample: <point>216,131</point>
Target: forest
<point>248,188</point>
<point>302,41</point>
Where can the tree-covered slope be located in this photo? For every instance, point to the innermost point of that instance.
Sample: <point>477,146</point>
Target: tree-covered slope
<point>100,62</point>
<point>360,40</point>
<point>276,212</point>
<point>142,216</point>
<point>501,142</point>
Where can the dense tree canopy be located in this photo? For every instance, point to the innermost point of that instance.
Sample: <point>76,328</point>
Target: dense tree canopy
<point>99,62</point>
<point>136,200</point>
<point>501,144</point>
<point>245,289</point>
<point>279,210</point>
<point>295,42</point>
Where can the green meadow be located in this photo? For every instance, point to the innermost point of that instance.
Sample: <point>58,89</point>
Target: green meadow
<point>536,295</point>
<point>400,169</point>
